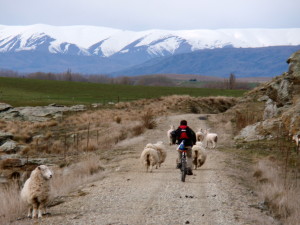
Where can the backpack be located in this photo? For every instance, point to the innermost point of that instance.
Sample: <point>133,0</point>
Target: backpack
<point>183,133</point>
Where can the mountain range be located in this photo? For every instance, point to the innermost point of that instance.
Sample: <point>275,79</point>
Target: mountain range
<point>102,50</point>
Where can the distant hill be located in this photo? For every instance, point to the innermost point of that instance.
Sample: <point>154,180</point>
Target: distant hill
<point>243,62</point>
<point>102,50</point>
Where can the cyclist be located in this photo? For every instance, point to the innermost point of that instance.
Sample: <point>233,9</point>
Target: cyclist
<point>184,132</point>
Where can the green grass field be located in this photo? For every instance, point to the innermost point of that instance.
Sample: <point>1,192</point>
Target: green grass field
<point>31,92</point>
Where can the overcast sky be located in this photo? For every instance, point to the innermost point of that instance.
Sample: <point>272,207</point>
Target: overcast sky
<point>140,15</point>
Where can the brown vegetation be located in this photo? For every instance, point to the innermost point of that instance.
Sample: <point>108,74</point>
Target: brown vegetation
<point>279,190</point>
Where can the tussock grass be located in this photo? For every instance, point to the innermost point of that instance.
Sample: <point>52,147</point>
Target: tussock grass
<point>65,180</point>
<point>279,191</point>
<point>69,178</point>
<point>11,206</point>
<point>148,119</point>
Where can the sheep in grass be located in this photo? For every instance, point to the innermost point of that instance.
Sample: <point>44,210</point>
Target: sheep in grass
<point>36,190</point>
<point>211,138</point>
<point>169,134</point>
<point>199,154</point>
<point>160,148</point>
<point>200,135</point>
<point>150,158</point>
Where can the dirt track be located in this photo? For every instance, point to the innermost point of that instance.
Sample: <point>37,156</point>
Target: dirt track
<point>129,195</point>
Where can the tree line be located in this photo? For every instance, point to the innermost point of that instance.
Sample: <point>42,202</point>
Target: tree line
<point>154,80</point>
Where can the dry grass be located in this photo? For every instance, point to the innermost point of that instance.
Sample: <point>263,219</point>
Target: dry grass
<point>148,119</point>
<point>11,206</point>
<point>248,114</point>
<point>181,103</point>
<point>75,142</point>
<point>279,191</point>
<point>68,179</point>
<point>87,131</point>
<point>65,180</point>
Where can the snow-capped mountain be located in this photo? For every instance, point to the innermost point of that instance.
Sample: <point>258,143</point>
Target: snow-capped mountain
<point>90,49</point>
<point>107,42</point>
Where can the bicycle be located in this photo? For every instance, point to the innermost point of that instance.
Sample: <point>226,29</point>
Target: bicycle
<point>183,160</point>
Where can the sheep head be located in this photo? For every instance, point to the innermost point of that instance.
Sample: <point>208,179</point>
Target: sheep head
<point>45,171</point>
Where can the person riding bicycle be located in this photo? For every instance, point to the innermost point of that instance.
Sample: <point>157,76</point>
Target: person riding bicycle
<point>186,134</point>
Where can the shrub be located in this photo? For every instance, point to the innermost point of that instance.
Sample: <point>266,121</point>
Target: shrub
<point>148,120</point>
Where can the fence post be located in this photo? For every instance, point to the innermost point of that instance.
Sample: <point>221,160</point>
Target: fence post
<point>65,148</point>
<point>88,137</point>
<point>97,136</point>
<point>77,140</point>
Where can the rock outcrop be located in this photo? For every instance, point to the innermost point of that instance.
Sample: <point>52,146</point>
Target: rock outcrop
<point>38,113</point>
<point>282,105</point>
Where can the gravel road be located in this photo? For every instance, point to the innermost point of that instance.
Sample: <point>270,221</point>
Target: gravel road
<point>129,195</point>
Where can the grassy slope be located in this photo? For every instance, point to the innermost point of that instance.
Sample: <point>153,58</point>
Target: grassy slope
<point>21,92</point>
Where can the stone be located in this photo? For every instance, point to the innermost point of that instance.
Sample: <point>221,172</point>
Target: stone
<point>4,137</point>
<point>270,110</point>
<point>294,64</point>
<point>4,107</point>
<point>9,147</point>
<point>39,113</point>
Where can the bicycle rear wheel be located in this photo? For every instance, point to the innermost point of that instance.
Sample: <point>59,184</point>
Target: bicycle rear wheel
<point>183,170</point>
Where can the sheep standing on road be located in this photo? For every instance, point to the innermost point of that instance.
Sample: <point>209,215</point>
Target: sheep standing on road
<point>199,154</point>
<point>160,148</point>
<point>210,138</point>
<point>36,190</point>
<point>150,158</point>
<point>169,134</point>
<point>200,135</point>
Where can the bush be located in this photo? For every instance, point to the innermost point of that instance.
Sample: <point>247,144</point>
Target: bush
<point>148,120</point>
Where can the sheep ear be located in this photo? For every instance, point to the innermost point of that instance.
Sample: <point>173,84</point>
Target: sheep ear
<point>39,167</point>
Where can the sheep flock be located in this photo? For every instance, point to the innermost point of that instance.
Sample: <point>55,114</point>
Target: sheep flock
<point>153,155</point>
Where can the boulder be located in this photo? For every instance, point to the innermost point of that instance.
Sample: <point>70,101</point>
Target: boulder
<point>267,129</point>
<point>4,107</point>
<point>39,113</point>
<point>9,147</point>
<point>270,110</point>
<point>4,137</point>
<point>294,64</point>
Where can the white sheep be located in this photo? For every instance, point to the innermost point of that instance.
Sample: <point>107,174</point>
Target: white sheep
<point>169,132</point>
<point>200,135</point>
<point>210,138</point>
<point>199,154</point>
<point>36,190</point>
<point>149,158</point>
<point>160,148</point>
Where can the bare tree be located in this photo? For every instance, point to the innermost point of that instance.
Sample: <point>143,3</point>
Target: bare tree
<point>231,84</point>
<point>67,76</point>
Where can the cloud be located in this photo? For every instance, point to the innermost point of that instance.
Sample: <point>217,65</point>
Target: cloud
<point>154,14</point>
